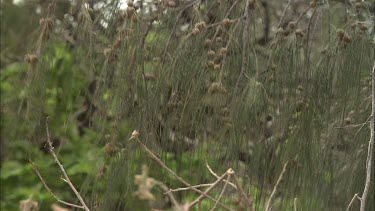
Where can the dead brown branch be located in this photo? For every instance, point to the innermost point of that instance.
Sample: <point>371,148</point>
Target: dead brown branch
<point>49,190</point>
<point>169,194</point>
<point>268,207</point>
<point>215,175</point>
<point>195,186</point>
<point>66,178</point>
<point>222,191</point>
<point>370,150</point>
<point>352,201</point>
<point>242,193</point>
<point>157,160</point>
<point>236,186</point>
<point>198,200</point>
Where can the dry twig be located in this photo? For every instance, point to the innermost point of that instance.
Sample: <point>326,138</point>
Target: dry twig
<point>170,195</point>
<point>370,150</point>
<point>236,186</point>
<point>182,189</point>
<point>66,178</point>
<point>268,207</point>
<point>198,200</point>
<point>242,193</point>
<point>352,201</point>
<point>204,194</point>
<point>49,190</point>
<point>215,175</point>
<point>155,158</point>
<point>222,191</point>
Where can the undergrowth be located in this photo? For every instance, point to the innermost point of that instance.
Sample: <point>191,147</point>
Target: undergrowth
<point>241,87</point>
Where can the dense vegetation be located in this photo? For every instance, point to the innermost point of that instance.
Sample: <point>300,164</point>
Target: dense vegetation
<point>248,85</point>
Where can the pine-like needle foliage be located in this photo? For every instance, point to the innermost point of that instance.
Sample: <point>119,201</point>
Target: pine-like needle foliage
<point>247,89</point>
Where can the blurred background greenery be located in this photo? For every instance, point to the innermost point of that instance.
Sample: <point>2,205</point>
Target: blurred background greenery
<point>173,71</point>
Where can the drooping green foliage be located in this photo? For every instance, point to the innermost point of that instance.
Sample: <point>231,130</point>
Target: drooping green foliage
<point>198,79</point>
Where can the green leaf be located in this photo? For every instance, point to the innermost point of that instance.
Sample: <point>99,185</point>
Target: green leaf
<point>11,168</point>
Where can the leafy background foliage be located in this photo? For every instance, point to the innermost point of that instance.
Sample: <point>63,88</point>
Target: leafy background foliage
<point>105,70</point>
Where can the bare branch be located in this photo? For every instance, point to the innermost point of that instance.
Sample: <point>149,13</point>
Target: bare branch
<point>155,158</point>
<point>49,190</point>
<point>215,175</point>
<point>242,193</point>
<point>51,148</point>
<point>268,207</point>
<point>359,130</point>
<point>170,195</point>
<point>222,191</point>
<point>352,201</point>
<point>182,189</point>
<point>356,125</point>
<point>370,146</point>
<point>196,201</point>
